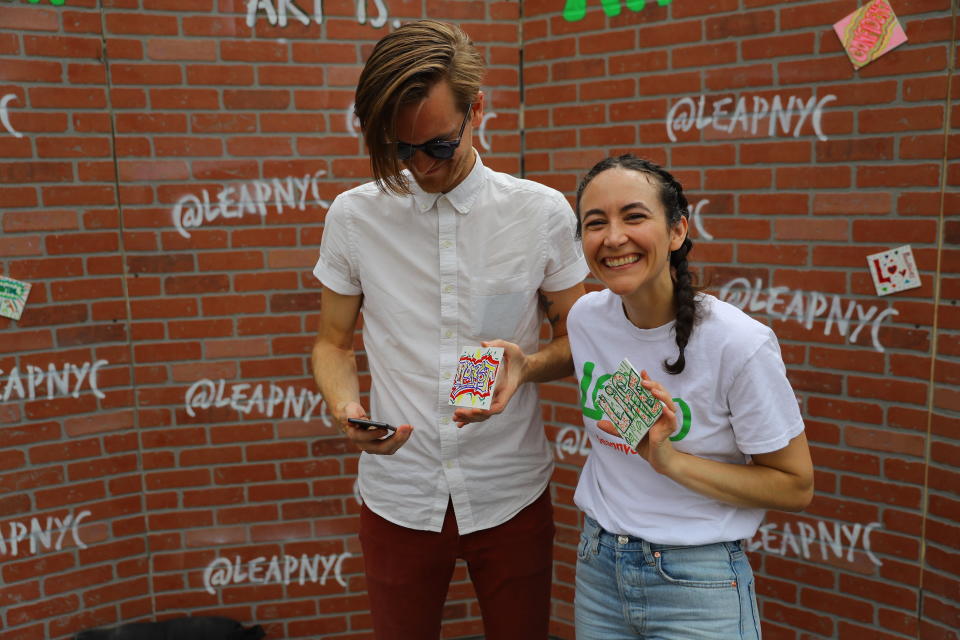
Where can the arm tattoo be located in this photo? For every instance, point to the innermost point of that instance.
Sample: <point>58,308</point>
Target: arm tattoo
<point>545,304</point>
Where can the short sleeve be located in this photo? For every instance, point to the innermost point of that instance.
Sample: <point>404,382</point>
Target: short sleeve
<point>763,406</point>
<point>336,268</point>
<point>565,266</point>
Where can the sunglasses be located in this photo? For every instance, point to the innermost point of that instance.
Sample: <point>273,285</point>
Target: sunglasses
<point>439,149</point>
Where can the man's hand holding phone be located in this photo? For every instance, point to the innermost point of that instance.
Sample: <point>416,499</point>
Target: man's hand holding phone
<point>373,424</point>
<point>373,436</point>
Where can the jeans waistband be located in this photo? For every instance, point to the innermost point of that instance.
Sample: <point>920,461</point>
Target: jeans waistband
<point>598,535</point>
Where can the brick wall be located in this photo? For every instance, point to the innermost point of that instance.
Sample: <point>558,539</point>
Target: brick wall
<point>787,214</point>
<point>159,433</point>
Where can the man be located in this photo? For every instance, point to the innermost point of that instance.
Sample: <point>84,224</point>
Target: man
<point>440,252</point>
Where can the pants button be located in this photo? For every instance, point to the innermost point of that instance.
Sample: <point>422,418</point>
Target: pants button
<point>623,539</point>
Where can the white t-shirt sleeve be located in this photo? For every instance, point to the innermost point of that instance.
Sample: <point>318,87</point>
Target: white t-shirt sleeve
<point>763,406</point>
<point>335,268</point>
<point>565,266</point>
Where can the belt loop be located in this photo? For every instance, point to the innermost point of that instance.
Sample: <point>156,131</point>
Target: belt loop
<point>647,553</point>
<point>595,531</point>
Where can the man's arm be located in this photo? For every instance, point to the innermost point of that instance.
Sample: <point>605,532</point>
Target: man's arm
<point>335,372</point>
<point>551,362</point>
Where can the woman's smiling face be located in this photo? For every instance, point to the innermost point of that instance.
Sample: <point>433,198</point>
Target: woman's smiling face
<point>626,237</point>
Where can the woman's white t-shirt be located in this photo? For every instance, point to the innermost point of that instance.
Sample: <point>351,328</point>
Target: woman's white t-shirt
<point>735,401</point>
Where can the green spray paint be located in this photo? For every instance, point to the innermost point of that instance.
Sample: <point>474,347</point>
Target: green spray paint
<point>576,9</point>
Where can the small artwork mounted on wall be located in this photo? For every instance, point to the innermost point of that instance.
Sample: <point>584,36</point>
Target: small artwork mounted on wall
<point>869,32</point>
<point>894,270</point>
<point>13,297</point>
<point>476,377</point>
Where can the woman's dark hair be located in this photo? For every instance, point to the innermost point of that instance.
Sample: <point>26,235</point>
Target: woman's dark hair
<point>676,206</point>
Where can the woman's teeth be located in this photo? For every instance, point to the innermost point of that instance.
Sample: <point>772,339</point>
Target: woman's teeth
<point>622,260</point>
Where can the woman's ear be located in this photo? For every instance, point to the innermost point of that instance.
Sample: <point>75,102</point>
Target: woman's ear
<point>678,233</point>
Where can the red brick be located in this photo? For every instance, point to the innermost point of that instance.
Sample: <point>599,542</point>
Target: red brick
<point>256,99</point>
<point>140,74</point>
<point>43,220</point>
<point>62,46</point>
<point>151,123</point>
<point>48,608</point>
<point>901,119</point>
<point>290,75</point>
<point>30,71</point>
<point>184,98</point>
<point>181,49</point>
<point>30,18</point>
<point>141,24</point>
<point>124,49</point>
<point>268,51</point>
<point>62,147</point>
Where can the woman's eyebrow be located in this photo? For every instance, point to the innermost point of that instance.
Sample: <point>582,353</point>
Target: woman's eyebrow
<point>635,205</point>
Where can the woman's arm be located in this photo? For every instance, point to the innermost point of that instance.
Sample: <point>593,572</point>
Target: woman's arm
<point>780,479</point>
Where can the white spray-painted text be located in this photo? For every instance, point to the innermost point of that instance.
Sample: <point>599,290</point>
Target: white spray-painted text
<point>572,441</point>
<point>206,393</point>
<point>277,13</point>
<point>192,211</point>
<point>279,569</point>
<point>5,114</point>
<point>61,382</point>
<point>39,535</point>
<point>805,306</point>
<point>686,114</point>
<point>819,537</point>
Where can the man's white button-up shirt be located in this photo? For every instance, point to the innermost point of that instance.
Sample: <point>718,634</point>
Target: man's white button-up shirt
<point>439,272</point>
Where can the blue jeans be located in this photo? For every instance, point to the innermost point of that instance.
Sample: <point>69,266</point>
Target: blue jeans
<point>631,588</point>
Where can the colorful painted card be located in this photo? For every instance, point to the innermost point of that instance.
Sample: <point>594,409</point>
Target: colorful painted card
<point>13,297</point>
<point>869,32</point>
<point>631,408</point>
<point>476,377</point>
<point>894,270</point>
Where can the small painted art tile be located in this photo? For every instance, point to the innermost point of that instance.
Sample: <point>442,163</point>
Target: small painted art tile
<point>869,32</point>
<point>476,377</point>
<point>894,270</point>
<point>13,297</point>
<point>630,406</point>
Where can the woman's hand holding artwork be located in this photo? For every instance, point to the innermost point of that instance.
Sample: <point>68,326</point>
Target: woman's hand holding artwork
<point>655,447</point>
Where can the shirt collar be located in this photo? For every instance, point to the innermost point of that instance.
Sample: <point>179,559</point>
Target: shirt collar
<point>461,197</point>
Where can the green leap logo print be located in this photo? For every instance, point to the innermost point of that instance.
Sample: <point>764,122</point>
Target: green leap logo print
<point>586,381</point>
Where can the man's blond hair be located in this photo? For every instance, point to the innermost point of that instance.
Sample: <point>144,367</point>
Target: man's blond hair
<point>400,71</point>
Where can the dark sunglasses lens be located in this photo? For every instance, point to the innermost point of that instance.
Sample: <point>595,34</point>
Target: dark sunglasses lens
<point>441,150</point>
<point>405,151</point>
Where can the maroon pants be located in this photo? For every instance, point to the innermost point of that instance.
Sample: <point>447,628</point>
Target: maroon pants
<point>511,565</point>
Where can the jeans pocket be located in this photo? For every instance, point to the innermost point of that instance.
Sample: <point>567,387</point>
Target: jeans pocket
<point>706,567</point>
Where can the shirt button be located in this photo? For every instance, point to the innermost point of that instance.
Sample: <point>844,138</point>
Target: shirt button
<point>448,288</point>
<point>448,333</point>
<point>445,244</point>
<point>623,539</point>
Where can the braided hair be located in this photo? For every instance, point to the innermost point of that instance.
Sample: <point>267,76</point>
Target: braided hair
<point>676,206</point>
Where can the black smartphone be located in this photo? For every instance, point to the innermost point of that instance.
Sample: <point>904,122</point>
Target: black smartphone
<point>371,424</point>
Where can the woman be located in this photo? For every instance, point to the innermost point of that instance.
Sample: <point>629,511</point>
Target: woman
<point>660,553</point>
